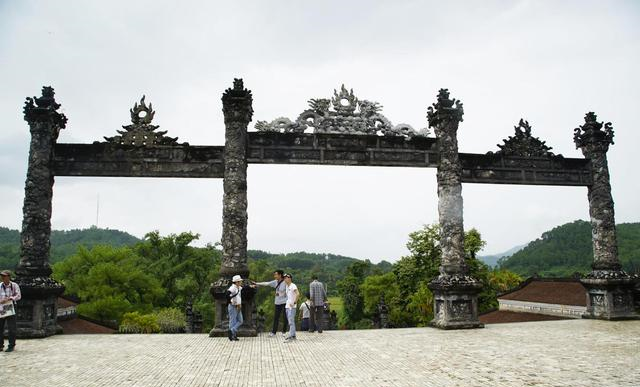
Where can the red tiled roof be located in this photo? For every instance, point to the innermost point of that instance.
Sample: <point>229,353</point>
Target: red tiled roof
<point>65,303</point>
<point>506,316</point>
<point>80,325</point>
<point>549,291</point>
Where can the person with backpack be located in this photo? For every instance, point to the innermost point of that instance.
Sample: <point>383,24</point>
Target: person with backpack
<point>280,300</point>
<point>234,307</point>
<point>305,309</point>
<point>9,295</point>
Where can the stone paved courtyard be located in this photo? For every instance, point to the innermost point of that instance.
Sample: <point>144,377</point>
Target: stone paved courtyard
<point>553,353</point>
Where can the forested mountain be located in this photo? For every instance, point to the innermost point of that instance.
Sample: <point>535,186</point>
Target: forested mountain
<point>567,249</point>
<point>63,243</point>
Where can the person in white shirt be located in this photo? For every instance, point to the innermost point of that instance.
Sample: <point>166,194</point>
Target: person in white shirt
<point>305,314</point>
<point>235,307</point>
<point>291,306</point>
<point>9,295</point>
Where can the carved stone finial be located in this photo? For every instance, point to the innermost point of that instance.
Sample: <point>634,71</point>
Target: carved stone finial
<point>523,144</point>
<point>444,110</point>
<point>44,108</point>
<point>236,103</point>
<point>349,116</point>
<point>141,132</point>
<point>590,136</point>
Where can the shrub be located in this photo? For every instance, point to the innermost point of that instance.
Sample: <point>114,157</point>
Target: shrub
<point>135,322</point>
<point>171,320</point>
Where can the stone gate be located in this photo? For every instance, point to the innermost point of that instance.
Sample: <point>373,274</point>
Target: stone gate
<point>340,130</point>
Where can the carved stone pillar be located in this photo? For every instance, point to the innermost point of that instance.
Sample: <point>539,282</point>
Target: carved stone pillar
<point>37,311</point>
<point>609,289</point>
<point>236,106</point>
<point>455,292</point>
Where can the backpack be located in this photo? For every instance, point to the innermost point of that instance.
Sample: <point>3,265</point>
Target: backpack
<point>230,296</point>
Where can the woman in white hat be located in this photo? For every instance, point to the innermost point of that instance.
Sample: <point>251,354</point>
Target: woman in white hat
<point>234,307</point>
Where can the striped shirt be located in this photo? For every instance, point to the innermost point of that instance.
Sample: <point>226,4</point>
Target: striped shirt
<point>318,293</point>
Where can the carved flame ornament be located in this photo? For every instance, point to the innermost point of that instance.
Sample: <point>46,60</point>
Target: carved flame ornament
<point>141,132</point>
<point>348,116</point>
<point>523,144</point>
<point>590,134</point>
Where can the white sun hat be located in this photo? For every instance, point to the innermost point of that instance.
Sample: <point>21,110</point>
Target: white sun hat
<point>236,278</point>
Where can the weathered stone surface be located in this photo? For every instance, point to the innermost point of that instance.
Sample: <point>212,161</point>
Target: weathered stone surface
<point>455,292</point>
<point>610,289</point>
<point>236,106</point>
<point>37,309</point>
<point>105,159</point>
<point>349,116</point>
<point>141,132</point>
<point>523,144</point>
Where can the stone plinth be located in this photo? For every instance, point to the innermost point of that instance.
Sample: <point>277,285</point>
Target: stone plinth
<point>221,326</point>
<point>610,295</point>
<point>38,309</point>
<point>456,302</point>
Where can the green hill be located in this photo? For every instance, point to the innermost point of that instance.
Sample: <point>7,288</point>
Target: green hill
<point>567,249</point>
<point>63,243</point>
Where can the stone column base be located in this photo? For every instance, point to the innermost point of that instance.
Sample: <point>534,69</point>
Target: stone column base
<point>37,311</point>
<point>221,325</point>
<point>455,302</point>
<point>610,295</point>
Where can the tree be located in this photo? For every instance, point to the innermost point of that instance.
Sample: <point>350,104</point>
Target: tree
<point>108,281</point>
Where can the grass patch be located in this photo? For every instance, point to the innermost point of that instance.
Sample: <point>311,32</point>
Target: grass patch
<point>336,304</point>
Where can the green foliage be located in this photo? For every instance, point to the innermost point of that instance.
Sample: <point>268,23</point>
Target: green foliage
<point>407,297</point>
<point>568,249</point>
<point>135,322</point>
<point>63,243</point>
<point>109,282</point>
<point>171,320</point>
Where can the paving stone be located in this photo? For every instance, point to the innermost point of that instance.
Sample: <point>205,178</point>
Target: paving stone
<point>551,353</point>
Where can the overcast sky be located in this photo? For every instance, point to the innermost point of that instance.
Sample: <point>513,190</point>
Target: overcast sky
<point>546,61</point>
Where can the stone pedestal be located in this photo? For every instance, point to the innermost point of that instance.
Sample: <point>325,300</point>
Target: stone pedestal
<point>221,326</point>
<point>610,295</point>
<point>456,302</point>
<point>38,309</point>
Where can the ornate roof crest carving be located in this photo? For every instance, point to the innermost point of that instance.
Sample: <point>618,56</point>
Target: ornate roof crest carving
<point>45,108</point>
<point>141,132</point>
<point>591,133</point>
<point>349,116</point>
<point>523,144</point>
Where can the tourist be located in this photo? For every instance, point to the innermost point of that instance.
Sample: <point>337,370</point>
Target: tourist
<point>280,300</point>
<point>9,295</point>
<point>234,307</point>
<point>318,298</point>
<point>305,308</point>
<point>291,306</point>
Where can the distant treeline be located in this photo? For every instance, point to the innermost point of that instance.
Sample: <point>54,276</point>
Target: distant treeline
<point>63,243</point>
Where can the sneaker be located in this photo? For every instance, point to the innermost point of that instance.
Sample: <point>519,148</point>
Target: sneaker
<point>271,334</point>
<point>10,349</point>
<point>284,334</point>
<point>289,339</point>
